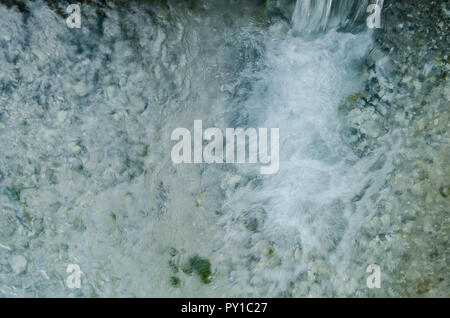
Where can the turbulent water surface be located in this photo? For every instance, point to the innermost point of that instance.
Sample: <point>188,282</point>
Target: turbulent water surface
<point>85,170</point>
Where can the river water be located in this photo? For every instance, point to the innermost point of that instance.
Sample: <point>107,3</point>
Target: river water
<point>86,176</point>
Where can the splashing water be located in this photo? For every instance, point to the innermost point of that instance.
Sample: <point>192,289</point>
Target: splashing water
<point>321,196</point>
<point>89,174</point>
<point>311,16</point>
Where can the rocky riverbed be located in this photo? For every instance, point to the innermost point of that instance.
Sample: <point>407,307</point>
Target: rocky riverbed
<point>410,90</point>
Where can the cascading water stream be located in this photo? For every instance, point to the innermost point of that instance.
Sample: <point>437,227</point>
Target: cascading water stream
<point>312,16</point>
<point>97,187</point>
<point>310,204</point>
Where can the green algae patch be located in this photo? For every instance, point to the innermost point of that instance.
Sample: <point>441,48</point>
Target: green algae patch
<point>444,191</point>
<point>200,266</point>
<point>353,98</point>
<point>175,281</point>
<point>173,267</point>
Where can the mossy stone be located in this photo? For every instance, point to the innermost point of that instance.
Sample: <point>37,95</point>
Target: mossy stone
<point>201,266</point>
<point>175,281</point>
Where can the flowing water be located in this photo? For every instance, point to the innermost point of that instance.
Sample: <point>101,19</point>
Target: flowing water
<point>312,16</point>
<point>85,172</point>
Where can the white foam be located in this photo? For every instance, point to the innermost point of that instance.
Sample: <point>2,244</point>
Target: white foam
<point>93,162</point>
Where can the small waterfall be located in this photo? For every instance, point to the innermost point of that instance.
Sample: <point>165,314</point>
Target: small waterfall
<point>115,204</point>
<point>312,16</point>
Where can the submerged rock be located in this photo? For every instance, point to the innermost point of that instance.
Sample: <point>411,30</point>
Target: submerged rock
<point>18,264</point>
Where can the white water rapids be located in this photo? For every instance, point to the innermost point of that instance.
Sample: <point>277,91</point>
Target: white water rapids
<point>85,170</point>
